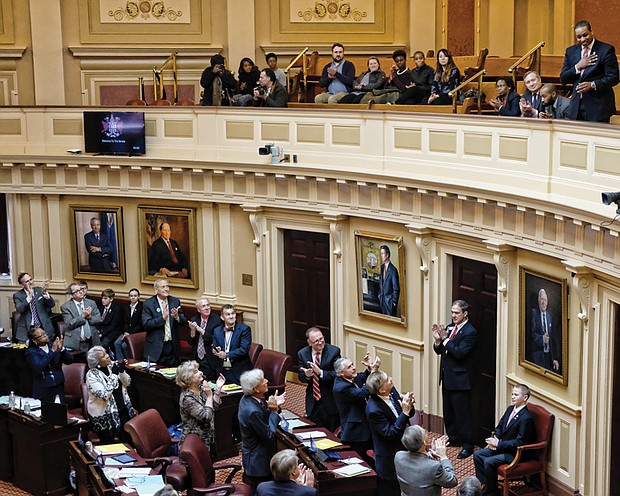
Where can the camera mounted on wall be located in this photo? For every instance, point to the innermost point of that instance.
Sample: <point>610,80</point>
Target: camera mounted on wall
<point>276,152</point>
<point>611,197</point>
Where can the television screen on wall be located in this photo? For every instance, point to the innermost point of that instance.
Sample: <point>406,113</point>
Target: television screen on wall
<point>114,133</point>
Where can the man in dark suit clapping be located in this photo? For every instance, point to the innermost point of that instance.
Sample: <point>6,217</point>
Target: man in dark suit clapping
<point>515,428</point>
<point>455,344</point>
<point>231,345</point>
<point>202,325</point>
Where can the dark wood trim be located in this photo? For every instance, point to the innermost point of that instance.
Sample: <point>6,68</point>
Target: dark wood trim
<point>557,488</point>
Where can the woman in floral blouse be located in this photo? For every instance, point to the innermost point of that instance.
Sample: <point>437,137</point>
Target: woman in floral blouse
<point>198,403</point>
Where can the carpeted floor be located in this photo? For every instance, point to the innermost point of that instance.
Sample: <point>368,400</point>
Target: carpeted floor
<point>295,394</point>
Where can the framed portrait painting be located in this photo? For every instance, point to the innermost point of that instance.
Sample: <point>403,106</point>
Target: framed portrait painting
<point>168,245</point>
<point>543,329</point>
<point>97,233</point>
<point>381,276</point>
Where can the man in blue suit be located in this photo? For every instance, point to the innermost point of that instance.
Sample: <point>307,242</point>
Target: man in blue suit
<point>351,395</point>
<point>388,416</point>
<point>455,344</point>
<point>591,67</point>
<point>316,369</point>
<point>258,421</point>
<point>515,428</point>
<point>290,478</point>
<point>389,284</point>
<point>546,349</point>
<point>231,345</point>
<point>161,317</point>
<point>99,248</point>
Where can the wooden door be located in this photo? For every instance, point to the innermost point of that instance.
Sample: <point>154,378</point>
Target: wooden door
<point>307,287</point>
<point>476,283</point>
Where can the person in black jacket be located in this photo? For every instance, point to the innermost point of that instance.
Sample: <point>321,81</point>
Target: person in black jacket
<point>201,328</point>
<point>132,323</point>
<point>111,326</point>
<point>270,93</point>
<point>507,101</point>
<point>419,89</point>
<point>337,77</point>
<point>218,82</point>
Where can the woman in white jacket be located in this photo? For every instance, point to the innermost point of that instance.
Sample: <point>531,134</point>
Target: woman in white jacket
<point>109,406</point>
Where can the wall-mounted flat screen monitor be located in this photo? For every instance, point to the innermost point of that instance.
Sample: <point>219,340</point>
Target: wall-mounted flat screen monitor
<point>114,133</point>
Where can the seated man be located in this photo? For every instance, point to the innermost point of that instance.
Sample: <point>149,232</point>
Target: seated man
<point>420,469</point>
<point>290,478</point>
<point>515,428</point>
<point>388,417</point>
<point>270,93</point>
<point>337,77</point>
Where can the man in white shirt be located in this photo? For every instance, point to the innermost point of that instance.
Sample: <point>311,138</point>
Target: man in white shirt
<point>81,317</point>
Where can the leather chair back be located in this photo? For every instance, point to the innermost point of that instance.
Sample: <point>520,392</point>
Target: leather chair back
<point>135,345</point>
<point>274,365</point>
<point>149,434</point>
<point>195,455</point>
<point>75,374</point>
<point>255,350</point>
<point>543,419</point>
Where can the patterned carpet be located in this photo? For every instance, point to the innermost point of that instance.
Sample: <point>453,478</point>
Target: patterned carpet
<point>295,403</point>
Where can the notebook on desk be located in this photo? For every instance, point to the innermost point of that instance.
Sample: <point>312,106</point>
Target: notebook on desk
<point>54,413</point>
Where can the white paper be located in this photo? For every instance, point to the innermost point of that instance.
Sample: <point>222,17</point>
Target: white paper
<point>310,434</point>
<point>352,460</point>
<point>351,470</point>
<point>130,471</point>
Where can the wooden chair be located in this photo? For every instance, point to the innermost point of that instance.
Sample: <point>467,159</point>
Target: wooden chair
<point>161,103</point>
<point>274,365</point>
<point>135,345</point>
<point>196,457</point>
<point>482,58</point>
<point>150,437</point>
<point>255,351</point>
<point>136,102</point>
<point>536,464</point>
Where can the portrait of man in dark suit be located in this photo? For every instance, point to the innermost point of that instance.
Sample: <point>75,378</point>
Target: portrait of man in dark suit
<point>389,284</point>
<point>99,248</point>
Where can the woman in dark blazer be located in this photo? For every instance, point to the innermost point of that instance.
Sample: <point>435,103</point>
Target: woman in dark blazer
<point>507,101</point>
<point>132,323</point>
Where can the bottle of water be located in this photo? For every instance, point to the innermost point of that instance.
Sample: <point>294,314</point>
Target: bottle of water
<point>27,408</point>
<point>12,400</point>
<point>284,424</point>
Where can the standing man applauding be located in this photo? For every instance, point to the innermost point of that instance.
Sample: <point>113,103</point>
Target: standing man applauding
<point>161,316</point>
<point>34,305</point>
<point>81,317</point>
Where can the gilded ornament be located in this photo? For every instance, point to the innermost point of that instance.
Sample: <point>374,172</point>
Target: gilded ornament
<point>332,10</point>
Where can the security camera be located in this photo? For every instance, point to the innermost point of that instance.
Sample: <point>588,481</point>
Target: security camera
<point>609,198</point>
<point>276,152</point>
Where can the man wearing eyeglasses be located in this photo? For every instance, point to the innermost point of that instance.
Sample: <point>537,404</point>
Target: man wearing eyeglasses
<point>316,369</point>
<point>34,305</point>
<point>81,317</point>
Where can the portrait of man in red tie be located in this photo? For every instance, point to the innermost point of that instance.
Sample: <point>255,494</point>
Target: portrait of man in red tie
<point>167,257</point>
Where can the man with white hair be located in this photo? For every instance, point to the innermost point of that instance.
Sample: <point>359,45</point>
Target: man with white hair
<point>161,316</point>
<point>290,478</point>
<point>258,421</point>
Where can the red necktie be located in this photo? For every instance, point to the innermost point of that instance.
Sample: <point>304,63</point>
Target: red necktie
<point>105,312</point>
<point>316,390</point>
<point>172,254</point>
<point>453,333</point>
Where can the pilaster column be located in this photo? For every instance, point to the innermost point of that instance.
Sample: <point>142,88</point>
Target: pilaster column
<point>336,226</point>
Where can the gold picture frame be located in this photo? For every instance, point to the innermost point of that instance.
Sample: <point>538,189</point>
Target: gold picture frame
<point>381,290</point>
<point>543,305</point>
<point>168,245</point>
<point>98,243</point>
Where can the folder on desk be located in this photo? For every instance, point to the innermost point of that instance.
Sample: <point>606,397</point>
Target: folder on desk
<point>112,449</point>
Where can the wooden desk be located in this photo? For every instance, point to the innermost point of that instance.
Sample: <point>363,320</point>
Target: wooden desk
<point>327,482</point>
<point>15,372</point>
<point>152,390</point>
<point>40,446</point>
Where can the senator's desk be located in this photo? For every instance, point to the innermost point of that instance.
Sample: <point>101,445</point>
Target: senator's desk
<point>40,453</point>
<point>327,482</point>
<point>153,390</point>
<point>15,373</point>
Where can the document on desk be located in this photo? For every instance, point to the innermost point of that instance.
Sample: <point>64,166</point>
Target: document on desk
<point>295,423</point>
<point>325,444</point>
<point>288,415</point>
<point>112,449</point>
<point>138,472</point>
<point>352,470</point>
<point>305,436</point>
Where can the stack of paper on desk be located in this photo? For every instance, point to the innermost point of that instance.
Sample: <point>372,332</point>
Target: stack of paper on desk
<point>352,470</point>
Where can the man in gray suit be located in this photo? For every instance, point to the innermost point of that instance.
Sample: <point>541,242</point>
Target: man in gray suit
<point>423,471</point>
<point>34,305</point>
<point>556,106</point>
<point>81,316</point>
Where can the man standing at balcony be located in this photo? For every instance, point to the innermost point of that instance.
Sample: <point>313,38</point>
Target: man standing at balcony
<point>592,67</point>
<point>337,77</point>
<point>455,344</point>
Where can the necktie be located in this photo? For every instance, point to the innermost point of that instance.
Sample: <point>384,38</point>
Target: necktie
<point>97,237</point>
<point>316,390</point>
<point>384,270</point>
<point>453,333</point>
<point>172,254</point>
<point>36,321</point>
<point>535,101</point>
<point>200,351</point>
<point>586,51</point>
<point>512,415</point>
<point>167,333</point>
<point>545,330</point>
<point>85,334</point>
<point>105,312</point>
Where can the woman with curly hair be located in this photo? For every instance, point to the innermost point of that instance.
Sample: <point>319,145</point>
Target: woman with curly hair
<point>248,79</point>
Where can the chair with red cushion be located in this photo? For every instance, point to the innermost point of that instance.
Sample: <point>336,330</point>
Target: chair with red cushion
<point>135,345</point>
<point>75,375</point>
<point>150,437</point>
<point>195,454</point>
<point>523,466</point>
<point>274,365</point>
<point>255,351</point>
